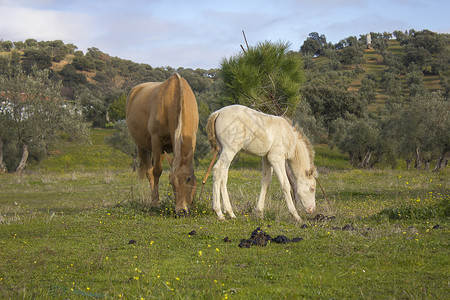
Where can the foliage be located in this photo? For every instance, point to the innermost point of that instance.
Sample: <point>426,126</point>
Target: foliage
<point>71,76</point>
<point>83,63</point>
<point>36,57</point>
<point>117,109</point>
<point>93,108</point>
<point>314,44</point>
<point>330,103</point>
<point>351,55</point>
<point>266,77</point>
<point>367,91</point>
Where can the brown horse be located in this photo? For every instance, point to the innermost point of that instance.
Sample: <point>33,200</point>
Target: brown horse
<point>163,117</point>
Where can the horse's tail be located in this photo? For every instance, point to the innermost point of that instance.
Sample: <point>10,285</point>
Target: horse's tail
<point>211,131</point>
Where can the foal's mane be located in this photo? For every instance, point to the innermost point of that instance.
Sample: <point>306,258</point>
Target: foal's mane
<point>302,138</point>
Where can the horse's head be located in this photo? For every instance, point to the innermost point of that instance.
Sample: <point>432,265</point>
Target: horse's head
<point>184,185</point>
<point>306,189</point>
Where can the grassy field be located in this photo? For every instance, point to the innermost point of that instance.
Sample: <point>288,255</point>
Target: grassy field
<point>76,228</point>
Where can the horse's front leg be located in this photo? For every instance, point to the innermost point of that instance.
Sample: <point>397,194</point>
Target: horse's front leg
<point>279,168</point>
<point>157,158</point>
<point>265,181</point>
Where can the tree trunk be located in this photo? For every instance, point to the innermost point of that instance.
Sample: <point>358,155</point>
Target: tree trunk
<point>418,159</point>
<point>442,160</point>
<point>3,168</point>
<point>365,162</point>
<point>427,164</point>
<point>23,160</point>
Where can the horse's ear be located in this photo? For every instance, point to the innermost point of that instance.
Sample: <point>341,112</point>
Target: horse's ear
<point>169,158</point>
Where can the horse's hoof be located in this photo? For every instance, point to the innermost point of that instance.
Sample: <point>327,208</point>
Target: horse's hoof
<point>221,218</point>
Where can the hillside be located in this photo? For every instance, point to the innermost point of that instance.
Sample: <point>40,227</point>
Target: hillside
<point>373,65</point>
<point>346,82</point>
<point>106,77</point>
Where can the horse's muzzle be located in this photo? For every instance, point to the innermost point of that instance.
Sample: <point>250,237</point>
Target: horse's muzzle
<point>182,213</point>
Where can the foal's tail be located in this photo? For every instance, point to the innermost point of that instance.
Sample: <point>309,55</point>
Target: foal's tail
<point>211,131</point>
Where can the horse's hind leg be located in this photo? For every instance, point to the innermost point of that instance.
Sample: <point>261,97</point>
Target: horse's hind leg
<point>217,178</point>
<point>146,167</point>
<point>265,181</point>
<point>220,179</point>
<point>225,198</point>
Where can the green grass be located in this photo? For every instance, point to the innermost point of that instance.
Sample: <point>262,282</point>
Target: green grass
<point>71,157</point>
<point>67,235</point>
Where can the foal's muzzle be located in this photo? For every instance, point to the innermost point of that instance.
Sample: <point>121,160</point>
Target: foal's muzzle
<point>310,210</point>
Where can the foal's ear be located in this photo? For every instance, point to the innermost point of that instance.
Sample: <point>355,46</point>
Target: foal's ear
<point>169,158</point>
<point>312,172</point>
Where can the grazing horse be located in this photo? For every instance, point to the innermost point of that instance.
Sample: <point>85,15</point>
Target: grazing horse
<point>162,117</point>
<point>234,128</point>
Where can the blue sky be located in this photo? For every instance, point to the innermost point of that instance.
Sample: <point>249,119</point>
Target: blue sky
<point>198,33</point>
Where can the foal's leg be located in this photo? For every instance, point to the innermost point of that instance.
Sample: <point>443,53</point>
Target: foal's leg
<point>220,178</point>
<point>226,200</point>
<point>265,181</point>
<point>279,167</point>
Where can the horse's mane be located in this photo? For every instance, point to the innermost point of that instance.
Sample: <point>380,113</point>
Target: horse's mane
<point>178,139</point>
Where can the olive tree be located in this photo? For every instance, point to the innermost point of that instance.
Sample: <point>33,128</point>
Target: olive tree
<point>421,130</point>
<point>360,138</point>
<point>34,113</point>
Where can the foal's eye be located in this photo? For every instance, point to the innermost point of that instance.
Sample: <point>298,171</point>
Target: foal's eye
<point>188,179</point>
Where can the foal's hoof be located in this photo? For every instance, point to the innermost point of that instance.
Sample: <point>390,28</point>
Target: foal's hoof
<point>222,218</point>
<point>258,214</point>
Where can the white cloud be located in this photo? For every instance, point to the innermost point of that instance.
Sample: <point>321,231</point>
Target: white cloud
<point>20,23</point>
